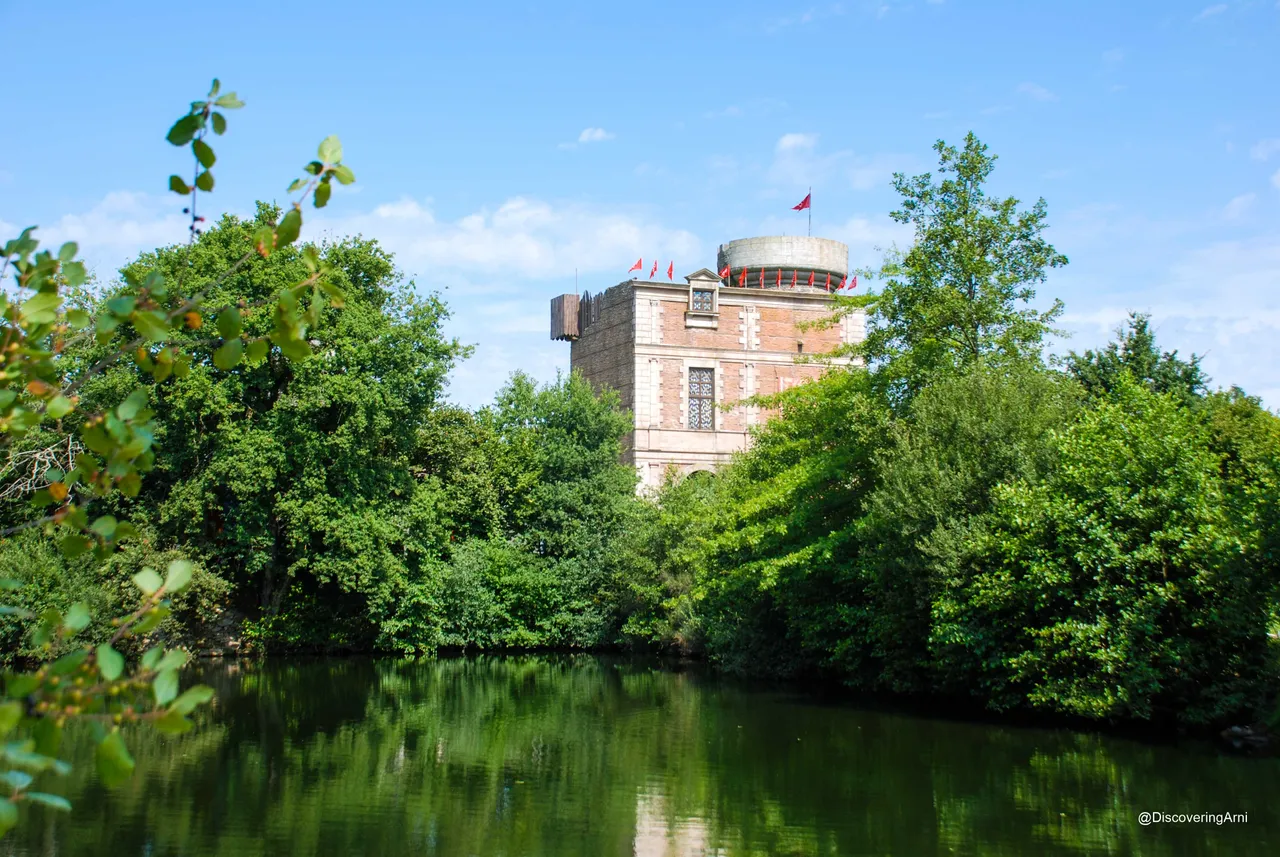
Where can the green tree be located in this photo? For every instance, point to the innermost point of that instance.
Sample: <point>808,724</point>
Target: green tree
<point>295,482</point>
<point>961,292</point>
<point>1134,351</point>
<point>1119,584</point>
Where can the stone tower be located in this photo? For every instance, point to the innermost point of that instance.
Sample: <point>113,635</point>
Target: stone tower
<point>680,354</point>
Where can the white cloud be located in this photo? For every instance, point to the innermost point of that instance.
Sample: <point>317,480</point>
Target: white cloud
<point>1210,11</point>
<point>594,135</point>
<point>589,135</point>
<point>798,163</point>
<point>1034,90</point>
<point>1239,206</point>
<point>1113,57</point>
<point>522,237</point>
<point>1275,180</point>
<point>796,142</point>
<point>731,112</point>
<point>118,228</point>
<point>1264,149</point>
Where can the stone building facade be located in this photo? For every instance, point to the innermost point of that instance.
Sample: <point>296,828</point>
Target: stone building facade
<point>681,354</point>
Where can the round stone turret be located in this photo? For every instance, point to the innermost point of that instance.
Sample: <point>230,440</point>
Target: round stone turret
<point>781,256</point>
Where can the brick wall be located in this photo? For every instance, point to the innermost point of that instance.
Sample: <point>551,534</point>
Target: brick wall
<point>605,351</point>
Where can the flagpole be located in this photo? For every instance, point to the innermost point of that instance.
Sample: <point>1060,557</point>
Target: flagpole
<point>810,211</point>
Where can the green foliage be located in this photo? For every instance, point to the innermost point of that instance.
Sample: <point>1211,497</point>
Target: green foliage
<point>960,293</point>
<point>1119,584</point>
<point>83,451</point>
<point>1134,352</point>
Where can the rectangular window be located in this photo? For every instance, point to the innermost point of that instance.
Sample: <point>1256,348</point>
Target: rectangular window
<point>702,399</point>
<point>703,300</point>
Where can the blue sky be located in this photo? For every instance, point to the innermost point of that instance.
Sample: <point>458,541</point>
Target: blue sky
<point>499,146</point>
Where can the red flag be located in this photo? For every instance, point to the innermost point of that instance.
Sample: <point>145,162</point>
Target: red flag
<point>804,203</point>
<point>828,282</point>
<point>761,284</point>
<point>841,286</point>
<point>670,269</point>
<point>742,279</point>
<point>636,266</point>
<point>778,280</point>
<point>811,279</point>
<point>793,279</point>
<point>725,272</point>
<point>854,285</point>
<point>654,272</point>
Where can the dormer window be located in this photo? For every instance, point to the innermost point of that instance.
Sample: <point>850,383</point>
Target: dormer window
<point>704,300</point>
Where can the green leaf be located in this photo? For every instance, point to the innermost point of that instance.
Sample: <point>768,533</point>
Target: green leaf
<point>115,765</point>
<point>178,575</point>
<point>151,657</point>
<point>54,801</point>
<point>7,397</point>
<point>155,284</point>
<point>110,662</point>
<point>77,618</point>
<point>122,306</point>
<point>151,620</point>
<point>73,546</point>
<point>289,229</point>
<point>183,130</point>
<point>74,273</point>
<point>69,663</point>
<point>204,154</point>
<point>296,185</point>
<point>16,780</point>
<point>192,698</point>
<point>230,102</point>
<point>294,349</point>
<point>136,401</point>
<point>214,87</point>
<point>59,407</point>
<point>323,191</point>
<point>331,150</point>
<point>173,723</point>
<point>314,168</point>
<point>344,174</point>
<point>19,686</point>
<point>256,350</point>
<point>151,324</point>
<point>229,354</point>
<point>174,659</point>
<point>204,181</point>
<point>8,815</point>
<point>42,308</point>
<point>219,123</point>
<point>78,319</point>
<point>229,323</point>
<point>10,714</point>
<point>148,581</point>
<point>68,251</point>
<point>165,687</point>
<point>177,185</point>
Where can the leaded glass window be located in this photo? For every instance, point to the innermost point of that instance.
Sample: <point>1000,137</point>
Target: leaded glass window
<point>702,399</point>
<point>703,300</point>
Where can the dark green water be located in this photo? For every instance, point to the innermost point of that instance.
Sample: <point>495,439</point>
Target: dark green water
<point>592,757</point>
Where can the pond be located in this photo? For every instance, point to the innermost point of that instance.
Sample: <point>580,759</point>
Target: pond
<point>581,755</point>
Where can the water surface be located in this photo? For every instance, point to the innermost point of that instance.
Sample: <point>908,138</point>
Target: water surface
<point>578,755</point>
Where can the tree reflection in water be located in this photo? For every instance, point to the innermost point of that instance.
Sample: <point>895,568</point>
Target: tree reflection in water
<point>578,755</point>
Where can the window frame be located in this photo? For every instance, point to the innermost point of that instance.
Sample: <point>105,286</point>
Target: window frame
<point>707,410</point>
